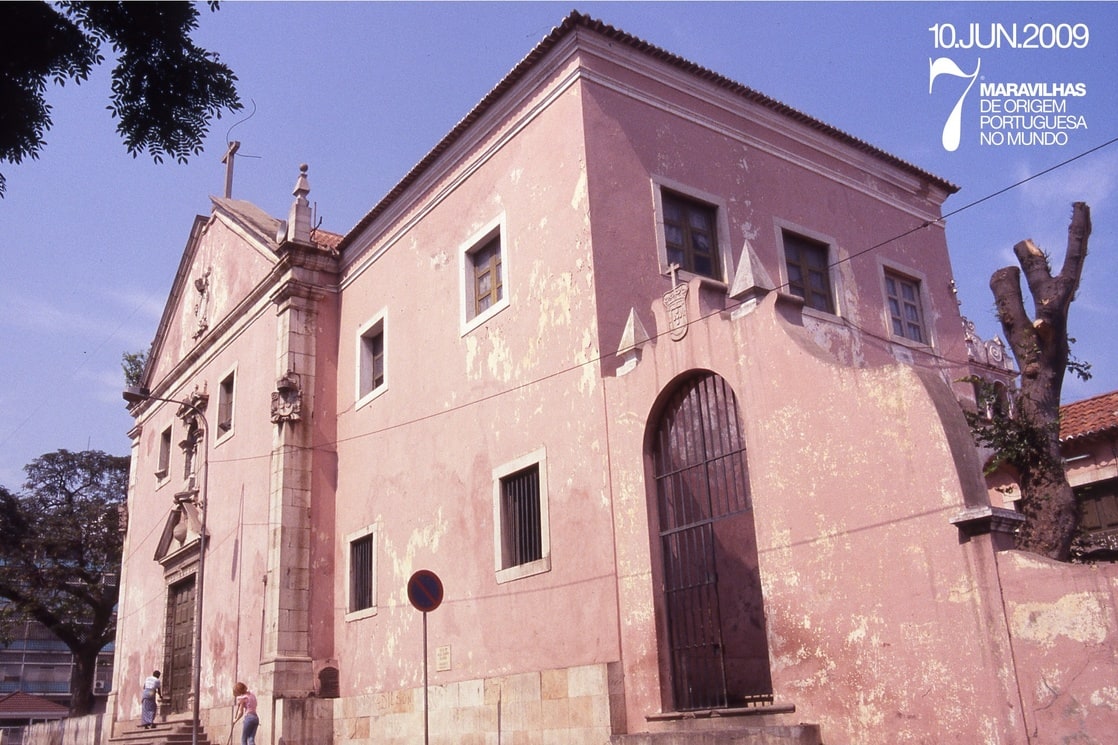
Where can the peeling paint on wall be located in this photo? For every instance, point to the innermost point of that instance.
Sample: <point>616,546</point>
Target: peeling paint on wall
<point>1078,616</point>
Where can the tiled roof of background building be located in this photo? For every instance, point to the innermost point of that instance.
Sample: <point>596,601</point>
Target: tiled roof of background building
<point>20,705</point>
<point>1089,417</point>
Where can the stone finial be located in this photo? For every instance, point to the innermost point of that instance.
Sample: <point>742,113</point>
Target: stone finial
<point>633,339</point>
<point>299,219</point>
<point>751,281</point>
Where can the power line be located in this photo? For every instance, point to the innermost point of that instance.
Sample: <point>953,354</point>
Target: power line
<point>934,356</point>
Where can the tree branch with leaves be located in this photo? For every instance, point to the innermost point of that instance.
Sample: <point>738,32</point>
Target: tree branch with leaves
<point>165,89</point>
<point>60,554</point>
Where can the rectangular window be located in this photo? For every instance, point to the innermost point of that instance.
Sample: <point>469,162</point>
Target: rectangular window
<point>371,361</point>
<point>225,406</point>
<point>691,235</point>
<point>164,454</point>
<point>483,265</point>
<point>903,298</point>
<point>1098,508</point>
<point>520,517</point>
<point>362,582</point>
<point>809,272</point>
<point>487,280</point>
<point>521,532</point>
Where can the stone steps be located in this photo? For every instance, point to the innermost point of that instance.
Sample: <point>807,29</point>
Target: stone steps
<point>164,733</point>
<point>796,734</point>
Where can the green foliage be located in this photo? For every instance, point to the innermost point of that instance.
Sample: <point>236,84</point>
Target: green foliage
<point>60,551</point>
<point>133,365</point>
<point>165,89</point>
<point>1077,367</point>
<point>1005,429</point>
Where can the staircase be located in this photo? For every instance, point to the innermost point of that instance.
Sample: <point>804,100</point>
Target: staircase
<point>758,725</point>
<point>171,732</point>
<point>798,734</point>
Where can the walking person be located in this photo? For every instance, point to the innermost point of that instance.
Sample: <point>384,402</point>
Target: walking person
<point>246,705</point>
<point>152,687</point>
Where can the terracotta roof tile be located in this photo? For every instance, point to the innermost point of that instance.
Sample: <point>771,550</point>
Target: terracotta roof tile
<point>20,705</point>
<point>325,239</point>
<point>1090,416</point>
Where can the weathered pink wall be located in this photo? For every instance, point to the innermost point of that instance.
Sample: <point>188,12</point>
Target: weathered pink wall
<point>417,461</point>
<point>238,479</point>
<point>853,472</point>
<point>1064,630</point>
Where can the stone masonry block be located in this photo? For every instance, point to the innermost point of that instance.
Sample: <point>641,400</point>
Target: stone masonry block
<point>471,693</point>
<point>555,713</point>
<point>522,687</point>
<point>588,680</point>
<point>520,716</point>
<point>442,696</point>
<point>553,684</point>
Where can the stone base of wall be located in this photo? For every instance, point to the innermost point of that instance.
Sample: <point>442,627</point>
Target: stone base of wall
<point>570,706</point>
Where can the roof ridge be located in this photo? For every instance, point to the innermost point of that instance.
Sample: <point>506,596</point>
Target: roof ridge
<point>570,23</point>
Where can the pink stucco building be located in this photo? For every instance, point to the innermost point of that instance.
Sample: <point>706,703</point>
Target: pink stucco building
<point>657,374</point>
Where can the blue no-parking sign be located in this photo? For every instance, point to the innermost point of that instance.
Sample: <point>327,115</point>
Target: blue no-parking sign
<point>425,590</point>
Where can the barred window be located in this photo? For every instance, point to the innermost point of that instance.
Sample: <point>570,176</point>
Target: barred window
<point>521,530</point>
<point>225,405</point>
<point>361,577</point>
<point>520,517</point>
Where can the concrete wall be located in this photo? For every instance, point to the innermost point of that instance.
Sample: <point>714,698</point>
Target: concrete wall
<point>88,730</point>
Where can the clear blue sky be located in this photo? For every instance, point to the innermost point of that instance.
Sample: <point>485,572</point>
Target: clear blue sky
<point>361,91</point>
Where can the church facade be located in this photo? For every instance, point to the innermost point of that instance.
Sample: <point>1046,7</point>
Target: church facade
<point>658,378</point>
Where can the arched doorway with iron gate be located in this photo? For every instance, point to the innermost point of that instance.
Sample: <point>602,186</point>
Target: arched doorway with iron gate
<point>711,616</point>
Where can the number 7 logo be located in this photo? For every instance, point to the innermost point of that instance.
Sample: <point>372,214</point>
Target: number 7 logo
<point>952,128</point>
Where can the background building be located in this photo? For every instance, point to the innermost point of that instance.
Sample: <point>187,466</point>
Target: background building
<point>35,674</point>
<point>36,662</point>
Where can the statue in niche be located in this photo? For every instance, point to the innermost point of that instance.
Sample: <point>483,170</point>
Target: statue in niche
<point>202,304</point>
<point>189,413</point>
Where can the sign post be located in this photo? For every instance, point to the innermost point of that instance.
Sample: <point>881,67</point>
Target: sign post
<point>425,591</point>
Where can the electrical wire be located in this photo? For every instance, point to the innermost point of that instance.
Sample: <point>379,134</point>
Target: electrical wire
<point>936,358</point>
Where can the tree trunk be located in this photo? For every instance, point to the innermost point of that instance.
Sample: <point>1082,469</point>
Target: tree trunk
<point>81,681</point>
<point>1041,349</point>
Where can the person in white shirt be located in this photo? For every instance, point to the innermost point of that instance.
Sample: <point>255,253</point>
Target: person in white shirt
<point>148,700</point>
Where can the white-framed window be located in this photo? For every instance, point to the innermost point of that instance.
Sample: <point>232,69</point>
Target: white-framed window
<point>692,231</point>
<point>485,275</point>
<point>163,469</point>
<point>904,307</point>
<point>225,396</point>
<point>521,530</point>
<point>808,261</point>
<point>361,574</point>
<point>372,368</point>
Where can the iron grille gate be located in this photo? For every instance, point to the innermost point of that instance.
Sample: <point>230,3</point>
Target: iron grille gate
<point>698,667</point>
<point>708,549</point>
